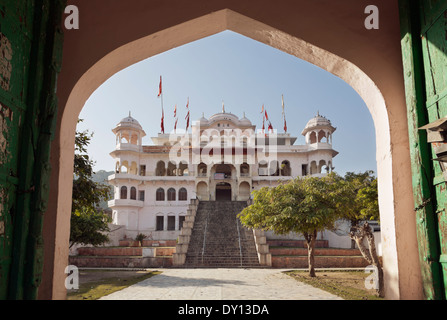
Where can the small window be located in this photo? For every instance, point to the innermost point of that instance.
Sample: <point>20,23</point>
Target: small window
<point>141,195</point>
<point>160,223</point>
<point>183,194</point>
<point>171,194</point>
<point>123,193</point>
<point>171,223</point>
<point>160,194</point>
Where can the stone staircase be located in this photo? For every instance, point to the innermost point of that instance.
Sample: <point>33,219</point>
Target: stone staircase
<point>218,239</point>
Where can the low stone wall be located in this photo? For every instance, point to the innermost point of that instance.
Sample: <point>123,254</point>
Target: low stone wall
<point>120,262</point>
<point>320,262</point>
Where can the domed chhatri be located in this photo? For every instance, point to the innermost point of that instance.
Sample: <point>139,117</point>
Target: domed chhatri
<point>318,129</point>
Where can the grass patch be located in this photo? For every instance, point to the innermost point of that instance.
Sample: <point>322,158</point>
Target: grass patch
<point>94,284</point>
<point>349,285</point>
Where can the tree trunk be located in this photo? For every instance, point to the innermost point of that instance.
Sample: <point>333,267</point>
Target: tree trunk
<point>375,259</point>
<point>310,239</point>
<point>359,233</point>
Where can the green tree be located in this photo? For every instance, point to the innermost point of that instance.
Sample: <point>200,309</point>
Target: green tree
<point>303,205</point>
<point>88,222</point>
<point>361,205</point>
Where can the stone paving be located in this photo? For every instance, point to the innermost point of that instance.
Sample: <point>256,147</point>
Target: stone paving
<point>221,284</point>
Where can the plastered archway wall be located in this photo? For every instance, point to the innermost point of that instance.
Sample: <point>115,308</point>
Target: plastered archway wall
<point>387,107</point>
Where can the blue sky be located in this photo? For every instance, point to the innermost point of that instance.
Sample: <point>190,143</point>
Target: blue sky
<point>243,73</point>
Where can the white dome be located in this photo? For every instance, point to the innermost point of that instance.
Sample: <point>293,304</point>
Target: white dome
<point>245,121</point>
<point>129,121</point>
<point>318,122</point>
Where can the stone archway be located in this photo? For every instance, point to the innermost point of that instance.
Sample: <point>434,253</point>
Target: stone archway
<point>370,73</point>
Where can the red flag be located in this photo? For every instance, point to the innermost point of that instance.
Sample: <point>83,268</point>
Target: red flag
<point>266,116</point>
<point>187,122</point>
<point>262,109</point>
<point>159,89</point>
<point>175,111</point>
<point>263,125</point>
<point>270,126</point>
<point>285,125</point>
<point>175,125</point>
<point>162,121</point>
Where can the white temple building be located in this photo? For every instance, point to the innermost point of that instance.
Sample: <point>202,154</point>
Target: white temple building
<point>224,158</point>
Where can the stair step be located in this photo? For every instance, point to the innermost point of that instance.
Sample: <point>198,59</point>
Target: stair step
<point>220,238</point>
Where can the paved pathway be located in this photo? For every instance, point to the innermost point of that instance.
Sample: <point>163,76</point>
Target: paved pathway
<point>221,284</point>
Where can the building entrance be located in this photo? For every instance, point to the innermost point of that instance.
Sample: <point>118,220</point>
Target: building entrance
<point>223,192</point>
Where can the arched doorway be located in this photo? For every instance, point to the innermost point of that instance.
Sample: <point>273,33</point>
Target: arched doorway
<point>223,191</point>
<point>138,41</point>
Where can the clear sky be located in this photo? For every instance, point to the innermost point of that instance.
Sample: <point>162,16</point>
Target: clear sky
<point>243,73</point>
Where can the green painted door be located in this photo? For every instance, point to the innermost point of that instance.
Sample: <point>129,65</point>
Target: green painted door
<point>30,58</point>
<point>434,52</point>
<point>15,50</point>
<point>424,52</point>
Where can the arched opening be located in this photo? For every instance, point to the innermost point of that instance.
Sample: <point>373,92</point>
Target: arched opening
<point>202,191</point>
<point>202,170</point>
<point>263,168</point>
<point>123,192</point>
<point>313,167</point>
<point>322,166</point>
<point>133,168</point>
<point>245,170</point>
<point>321,135</point>
<point>133,193</point>
<point>182,194</point>
<point>285,168</point>
<point>172,169</point>
<point>274,168</point>
<point>183,169</point>
<point>160,170</point>
<point>350,65</point>
<point>313,137</point>
<point>171,194</point>
<point>223,191</point>
<point>160,194</point>
<point>124,167</point>
<point>244,191</point>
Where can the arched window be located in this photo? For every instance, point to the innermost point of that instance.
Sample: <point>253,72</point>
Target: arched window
<point>182,194</point>
<point>133,193</point>
<point>171,194</point>
<point>160,194</point>
<point>123,193</point>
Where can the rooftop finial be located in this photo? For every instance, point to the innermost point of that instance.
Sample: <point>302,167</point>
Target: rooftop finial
<point>223,107</point>
<point>129,114</point>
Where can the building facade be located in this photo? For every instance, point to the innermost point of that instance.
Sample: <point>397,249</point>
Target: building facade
<point>224,158</point>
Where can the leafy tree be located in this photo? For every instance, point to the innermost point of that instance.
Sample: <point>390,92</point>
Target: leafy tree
<point>360,205</point>
<point>303,205</point>
<point>88,221</point>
